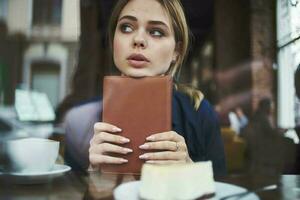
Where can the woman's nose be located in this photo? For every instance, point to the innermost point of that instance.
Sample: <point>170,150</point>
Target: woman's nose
<point>139,40</point>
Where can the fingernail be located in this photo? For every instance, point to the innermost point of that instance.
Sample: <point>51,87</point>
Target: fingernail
<point>125,140</point>
<point>128,150</point>
<point>123,160</point>
<point>150,138</point>
<point>116,129</point>
<point>150,161</point>
<point>144,156</point>
<point>144,146</point>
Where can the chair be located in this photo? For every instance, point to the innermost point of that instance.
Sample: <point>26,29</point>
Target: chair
<point>235,148</point>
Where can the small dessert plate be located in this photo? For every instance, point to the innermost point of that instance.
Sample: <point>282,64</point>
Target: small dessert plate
<point>36,177</point>
<point>130,190</point>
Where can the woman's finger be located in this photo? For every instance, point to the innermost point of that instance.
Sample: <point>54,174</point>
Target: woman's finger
<point>107,147</point>
<point>169,136</point>
<point>161,145</point>
<point>164,155</point>
<point>107,137</point>
<point>164,162</point>
<point>97,159</point>
<point>105,127</point>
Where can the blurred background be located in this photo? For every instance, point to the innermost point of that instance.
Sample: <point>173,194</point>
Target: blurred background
<point>243,58</point>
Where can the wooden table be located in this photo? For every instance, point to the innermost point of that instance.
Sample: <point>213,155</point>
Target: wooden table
<point>96,186</point>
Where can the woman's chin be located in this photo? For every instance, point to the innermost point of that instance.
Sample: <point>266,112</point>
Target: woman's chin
<point>138,74</point>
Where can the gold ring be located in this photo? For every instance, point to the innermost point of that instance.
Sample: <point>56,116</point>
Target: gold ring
<point>177,146</point>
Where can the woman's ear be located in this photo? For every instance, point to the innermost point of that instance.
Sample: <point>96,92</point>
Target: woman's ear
<point>177,51</point>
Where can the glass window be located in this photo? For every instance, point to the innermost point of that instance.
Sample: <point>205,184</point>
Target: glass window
<point>47,12</point>
<point>3,9</point>
<point>288,43</point>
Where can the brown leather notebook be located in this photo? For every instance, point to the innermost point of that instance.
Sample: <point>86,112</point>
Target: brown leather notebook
<point>140,107</point>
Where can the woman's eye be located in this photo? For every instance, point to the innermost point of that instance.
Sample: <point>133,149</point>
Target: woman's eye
<point>156,33</point>
<point>125,28</point>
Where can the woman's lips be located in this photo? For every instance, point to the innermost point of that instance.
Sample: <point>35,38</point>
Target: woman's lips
<point>137,60</point>
<point>137,63</point>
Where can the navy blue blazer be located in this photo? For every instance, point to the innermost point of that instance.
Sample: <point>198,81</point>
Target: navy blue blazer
<point>200,128</point>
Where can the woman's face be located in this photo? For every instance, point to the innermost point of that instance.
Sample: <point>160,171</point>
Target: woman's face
<point>144,42</point>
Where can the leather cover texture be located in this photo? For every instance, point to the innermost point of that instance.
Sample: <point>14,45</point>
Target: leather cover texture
<point>140,107</point>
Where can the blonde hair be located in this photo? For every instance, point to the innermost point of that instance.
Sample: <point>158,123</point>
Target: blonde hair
<point>176,14</point>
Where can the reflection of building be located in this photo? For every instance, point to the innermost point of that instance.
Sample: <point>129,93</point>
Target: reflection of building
<point>245,49</point>
<point>51,29</point>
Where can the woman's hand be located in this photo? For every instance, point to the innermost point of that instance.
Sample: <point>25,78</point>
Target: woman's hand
<point>104,141</point>
<point>172,145</point>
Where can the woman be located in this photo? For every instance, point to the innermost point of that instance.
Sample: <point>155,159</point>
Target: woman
<point>150,38</point>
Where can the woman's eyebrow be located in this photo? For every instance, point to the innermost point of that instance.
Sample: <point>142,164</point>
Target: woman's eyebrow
<point>158,23</point>
<point>152,22</point>
<point>128,17</point>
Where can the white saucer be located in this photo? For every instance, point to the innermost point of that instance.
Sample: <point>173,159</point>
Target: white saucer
<point>130,190</point>
<point>37,177</point>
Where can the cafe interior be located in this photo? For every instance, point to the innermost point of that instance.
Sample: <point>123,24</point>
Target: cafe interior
<point>243,57</point>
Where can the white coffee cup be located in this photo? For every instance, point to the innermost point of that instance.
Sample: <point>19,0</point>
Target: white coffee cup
<point>32,155</point>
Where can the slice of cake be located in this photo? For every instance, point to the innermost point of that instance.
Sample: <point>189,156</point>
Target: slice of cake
<point>182,181</point>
